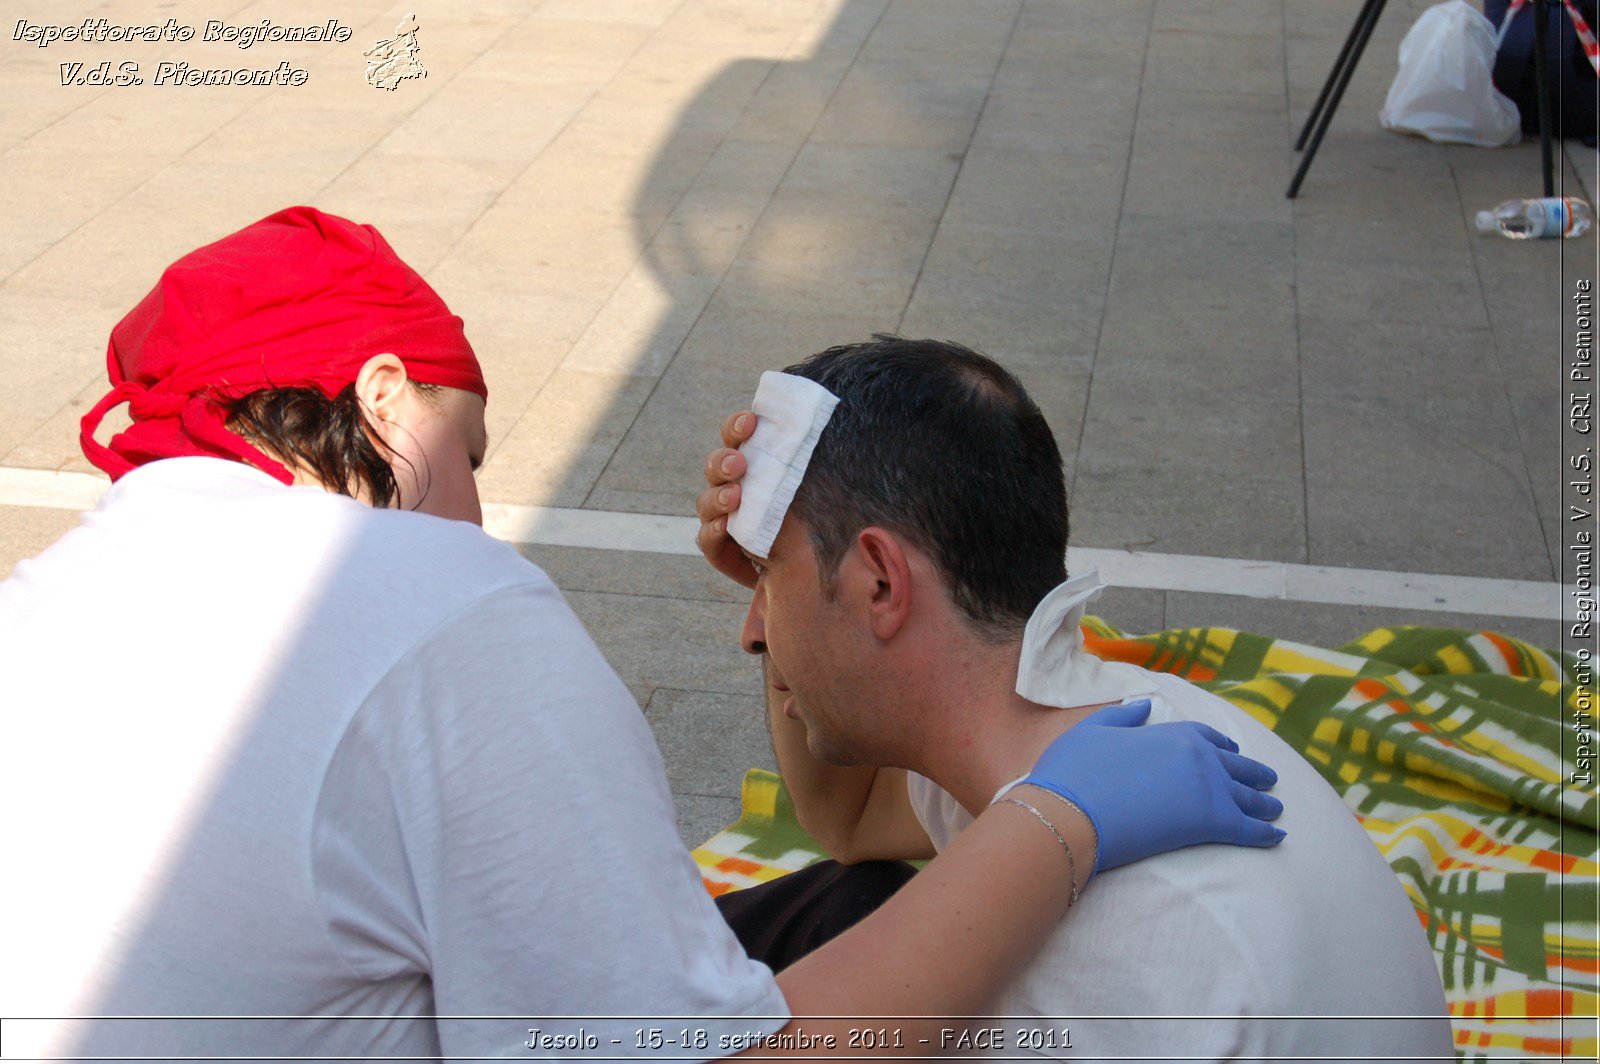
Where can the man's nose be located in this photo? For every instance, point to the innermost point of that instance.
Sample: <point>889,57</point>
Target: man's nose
<point>753,637</point>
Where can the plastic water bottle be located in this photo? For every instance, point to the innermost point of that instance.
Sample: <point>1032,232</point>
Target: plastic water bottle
<point>1563,216</point>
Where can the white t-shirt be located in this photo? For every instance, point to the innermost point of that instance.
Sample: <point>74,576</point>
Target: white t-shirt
<point>1317,926</point>
<point>271,752</point>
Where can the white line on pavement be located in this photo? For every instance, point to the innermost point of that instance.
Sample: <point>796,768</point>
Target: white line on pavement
<point>40,487</point>
<point>656,534</point>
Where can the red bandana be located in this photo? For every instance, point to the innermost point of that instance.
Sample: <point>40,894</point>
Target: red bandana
<point>300,299</point>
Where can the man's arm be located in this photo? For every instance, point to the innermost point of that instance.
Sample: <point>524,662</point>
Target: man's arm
<point>938,947</point>
<point>857,813</point>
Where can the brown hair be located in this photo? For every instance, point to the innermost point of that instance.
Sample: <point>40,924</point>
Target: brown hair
<point>330,439</point>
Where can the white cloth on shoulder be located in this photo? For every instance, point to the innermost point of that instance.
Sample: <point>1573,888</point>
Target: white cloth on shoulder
<point>1053,669</point>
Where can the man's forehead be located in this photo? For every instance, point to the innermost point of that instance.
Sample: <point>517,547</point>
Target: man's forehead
<point>793,538</point>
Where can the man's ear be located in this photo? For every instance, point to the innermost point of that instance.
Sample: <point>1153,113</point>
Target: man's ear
<point>884,578</point>
<point>381,388</point>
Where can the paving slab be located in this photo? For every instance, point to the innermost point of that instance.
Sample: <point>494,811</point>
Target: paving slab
<point>702,816</point>
<point>1435,295</point>
<point>1091,114</point>
<point>890,185</point>
<point>52,347</point>
<point>1153,422</point>
<point>1179,58</point>
<point>53,442</point>
<point>563,441</point>
<point>1162,509</point>
<point>920,37</point>
<point>1201,339</point>
<point>788,104</point>
<point>879,104</point>
<point>1444,530</point>
<point>1547,466</point>
<point>1095,24</point>
<point>27,530</point>
<point>709,740</point>
<point>1188,115</point>
<point>1390,361</point>
<point>687,645</point>
<point>685,410</point>
<point>643,322</point>
<point>1379,442</point>
<point>985,317</point>
<point>631,572</point>
<point>1037,191</point>
<point>1134,610</point>
<point>1238,18</point>
<point>1208,261</point>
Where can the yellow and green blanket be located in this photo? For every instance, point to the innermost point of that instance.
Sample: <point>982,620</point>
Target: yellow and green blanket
<point>1458,751</point>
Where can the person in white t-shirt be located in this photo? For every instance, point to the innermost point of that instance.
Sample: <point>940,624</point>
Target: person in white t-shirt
<point>299,762</point>
<point>919,638</point>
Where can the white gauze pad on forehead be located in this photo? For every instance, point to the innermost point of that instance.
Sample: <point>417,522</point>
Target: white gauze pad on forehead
<point>791,413</point>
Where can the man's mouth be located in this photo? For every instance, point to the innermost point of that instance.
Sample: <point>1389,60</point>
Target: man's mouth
<point>774,680</point>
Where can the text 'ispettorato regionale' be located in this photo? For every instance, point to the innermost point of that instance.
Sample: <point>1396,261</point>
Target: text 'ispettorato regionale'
<point>177,72</point>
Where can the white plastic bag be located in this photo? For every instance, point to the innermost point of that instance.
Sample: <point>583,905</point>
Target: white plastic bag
<point>1444,90</point>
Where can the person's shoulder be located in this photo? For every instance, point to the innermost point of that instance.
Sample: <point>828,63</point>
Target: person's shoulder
<point>440,557</point>
<point>1179,699</point>
<point>417,564</point>
<point>457,544</point>
<point>1254,900</point>
<point>1178,690</point>
<point>1299,783</point>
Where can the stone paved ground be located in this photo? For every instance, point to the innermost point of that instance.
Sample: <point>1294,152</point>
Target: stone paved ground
<point>637,205</point>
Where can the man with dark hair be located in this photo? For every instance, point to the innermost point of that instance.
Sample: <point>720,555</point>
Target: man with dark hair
<point>918,637</point>
<point>995,465</point>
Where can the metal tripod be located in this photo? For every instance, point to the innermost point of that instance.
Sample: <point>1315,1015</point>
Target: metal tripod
<point>1339,77</point>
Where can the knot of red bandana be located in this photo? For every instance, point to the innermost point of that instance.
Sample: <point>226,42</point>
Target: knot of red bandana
<point>300,299</point>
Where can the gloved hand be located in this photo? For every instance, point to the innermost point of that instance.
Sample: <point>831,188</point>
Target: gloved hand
<point>1158,787</point>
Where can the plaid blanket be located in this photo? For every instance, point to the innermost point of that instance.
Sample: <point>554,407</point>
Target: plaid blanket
<point>1458,751</point>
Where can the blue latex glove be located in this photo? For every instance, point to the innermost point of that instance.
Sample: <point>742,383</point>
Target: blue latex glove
<point>1159,787</point>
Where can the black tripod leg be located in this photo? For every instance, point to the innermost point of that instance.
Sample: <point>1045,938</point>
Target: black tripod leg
<point>1369,9</point>
<point>1541,78</point>
<point>1326,118</point>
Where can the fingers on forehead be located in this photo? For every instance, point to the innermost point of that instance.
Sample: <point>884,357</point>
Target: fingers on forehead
<point>730,434</point>
<point>714,473</point>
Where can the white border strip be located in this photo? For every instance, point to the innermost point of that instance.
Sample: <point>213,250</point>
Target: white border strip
<point>553,526</point>
<point>1472,595</point>
<point>60,491</point>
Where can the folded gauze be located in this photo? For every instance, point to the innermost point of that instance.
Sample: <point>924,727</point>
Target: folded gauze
<point>791,413</point>
<point>1055,670</point>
